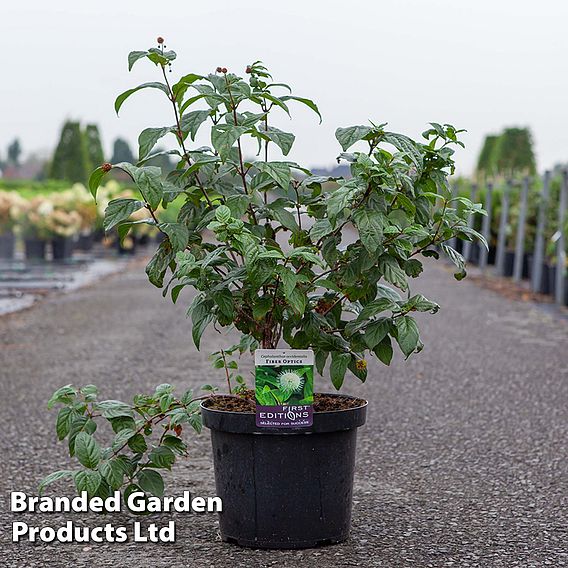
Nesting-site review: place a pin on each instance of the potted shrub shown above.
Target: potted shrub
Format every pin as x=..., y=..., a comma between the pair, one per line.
x=63, y=225
x=10, y=205
x=285, y=258
x=80, y=200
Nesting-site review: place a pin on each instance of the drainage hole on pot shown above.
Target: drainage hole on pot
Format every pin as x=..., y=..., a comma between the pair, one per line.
x=231, y=540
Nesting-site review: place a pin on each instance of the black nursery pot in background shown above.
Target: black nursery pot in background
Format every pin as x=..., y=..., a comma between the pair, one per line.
x=85, y=242
x=7, y=245
x=509, y=263
x=35, y=249
x=551, y=274
x=62, y=248
x=284, y=488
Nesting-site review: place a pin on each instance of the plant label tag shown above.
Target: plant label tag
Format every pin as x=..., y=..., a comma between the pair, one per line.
x=284, y=386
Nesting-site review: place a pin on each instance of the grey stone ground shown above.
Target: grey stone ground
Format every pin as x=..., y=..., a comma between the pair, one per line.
x=463, y=461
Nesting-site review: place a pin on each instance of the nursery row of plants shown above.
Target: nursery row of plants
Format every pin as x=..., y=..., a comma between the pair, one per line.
x=525, y=228
x=52, y=220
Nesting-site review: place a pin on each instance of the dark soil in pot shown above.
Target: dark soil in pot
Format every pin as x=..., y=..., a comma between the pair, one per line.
x=7, y=245
x=62, y=248
x=35, y=249
x=284, y=488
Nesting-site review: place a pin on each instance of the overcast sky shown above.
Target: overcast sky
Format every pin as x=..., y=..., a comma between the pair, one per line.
x=478, y=64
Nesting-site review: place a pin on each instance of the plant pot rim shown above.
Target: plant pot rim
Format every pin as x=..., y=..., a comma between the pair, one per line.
x=333, y=394
x=323, y=422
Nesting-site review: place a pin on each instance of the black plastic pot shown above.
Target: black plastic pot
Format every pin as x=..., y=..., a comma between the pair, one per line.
x=474, y=253
x=35, y=249
x=509, y=263
x=284, y=488
x=7, y=245
x=85, y=242
x=62, y=248
x=544, y=287
x=552, y=284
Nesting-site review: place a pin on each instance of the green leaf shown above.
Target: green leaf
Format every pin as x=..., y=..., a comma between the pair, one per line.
x=338, y=368
x=320, y=229
x=201, y=317
x=283, y=140
x=122, y=97
x=376, y=331
x=88, y=481
x=387, y=292
x=407, y=334
x=162, y=457
x=175, y=444
x=52, y=477
x=223, y=214
x=392, y=272
x=224, y=299
x=79, y=424
x=191, y=121
x=298, y=300
x=148, y=138
x=473, y=233
x=149, y=181
x=114, y=409
x=376, y=307
x=177, y=233
x=63, y=395
x=342, y=197
x=159, y=263
x=87, y=450
x=119, y=210
x=309, y=103
x=151, y=481
x=134, y=56
x=278, y=171
x=95, y=181
x=62, y=425
x=113, y=472
x=223, y=136
x=122, y=423
x=406, y=145
x=195, y=422
x=284, y=217
x=238, y=205
x=420, y=304
x=457, y=259
x=384, y=350
x=350, y=135
x=138, y=444
x=122, y=438
x=370, y=224
x=289, y=280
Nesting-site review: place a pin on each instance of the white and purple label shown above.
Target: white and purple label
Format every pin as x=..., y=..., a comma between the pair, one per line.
x=284, y=387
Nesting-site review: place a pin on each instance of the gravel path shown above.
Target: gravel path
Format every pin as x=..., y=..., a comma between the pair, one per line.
x=463, y=461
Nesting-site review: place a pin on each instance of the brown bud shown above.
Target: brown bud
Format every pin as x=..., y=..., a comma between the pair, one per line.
x=178, y=429
x=160, y=40
x=106, y=167
x=224, y=70
x=219, y=70
x=248, y=69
